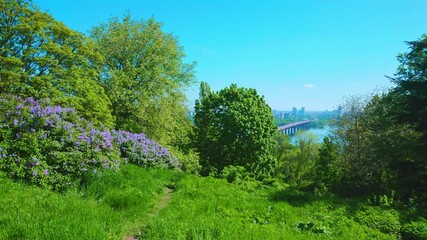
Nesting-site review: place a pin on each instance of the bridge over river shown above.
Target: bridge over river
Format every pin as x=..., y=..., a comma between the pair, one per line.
x=292, y=128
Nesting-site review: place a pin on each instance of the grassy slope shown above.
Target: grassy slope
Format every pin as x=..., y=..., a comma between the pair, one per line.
x=110, y=208
x=117, y=205
x=206, y=208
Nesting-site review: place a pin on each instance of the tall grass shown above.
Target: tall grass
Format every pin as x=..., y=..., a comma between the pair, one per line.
x=126, y=203
x=111, y=207
x=207, y=208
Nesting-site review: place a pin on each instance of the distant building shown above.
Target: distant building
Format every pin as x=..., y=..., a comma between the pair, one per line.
x=301, y=113
x=294, y=111
x=284, y=115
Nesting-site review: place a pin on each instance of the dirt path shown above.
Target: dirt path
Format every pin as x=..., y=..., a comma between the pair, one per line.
x=161, y=204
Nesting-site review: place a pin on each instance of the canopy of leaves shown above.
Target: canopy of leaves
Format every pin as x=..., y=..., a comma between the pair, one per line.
x=144, y=76
x=410, y=93
x=42, y=58
x=235, y=127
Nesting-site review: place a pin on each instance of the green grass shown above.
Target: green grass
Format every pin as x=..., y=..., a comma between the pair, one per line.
x=111, y=207
x=122, y=204
x=207, y=208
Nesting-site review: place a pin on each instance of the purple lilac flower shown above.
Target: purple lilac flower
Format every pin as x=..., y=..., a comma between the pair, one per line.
x=45, y=172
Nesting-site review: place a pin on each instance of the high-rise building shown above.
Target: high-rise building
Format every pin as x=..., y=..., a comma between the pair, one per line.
x=294, y=111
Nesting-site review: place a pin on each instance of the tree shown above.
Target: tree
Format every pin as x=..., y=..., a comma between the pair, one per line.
x=235, y=127
x=326, y=167
x=375, y=148
x=349, y=135
x=408, y=104
x=42, y=58
x=295, y=163
x=394, y=150
x=144, y=76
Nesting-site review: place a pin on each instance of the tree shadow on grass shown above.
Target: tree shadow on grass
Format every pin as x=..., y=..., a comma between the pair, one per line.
x=294, y=197
x=299, y=198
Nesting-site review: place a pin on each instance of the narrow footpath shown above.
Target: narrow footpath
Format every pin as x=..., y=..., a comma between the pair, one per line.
x=164, y=201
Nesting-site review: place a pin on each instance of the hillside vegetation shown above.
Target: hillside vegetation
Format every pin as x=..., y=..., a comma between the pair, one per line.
x=95, y=144
x=121, y=204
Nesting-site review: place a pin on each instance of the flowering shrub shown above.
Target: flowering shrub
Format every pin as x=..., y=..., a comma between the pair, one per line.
x=142, y=151
x=53, y=147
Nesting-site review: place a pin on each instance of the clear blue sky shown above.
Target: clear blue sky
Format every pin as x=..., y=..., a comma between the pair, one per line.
x=295, y=53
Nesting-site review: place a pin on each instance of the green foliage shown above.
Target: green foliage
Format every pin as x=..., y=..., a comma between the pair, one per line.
x=386, y=221
x=144, y=76
x=326, y=169
x=408, y=106
x=42, y=58
x=53, y=147
x=49, y=145
x=189, y=160
x=235, y=127
x=416, y=230
x=296, y=163
x=235, y=173
x=378, y=153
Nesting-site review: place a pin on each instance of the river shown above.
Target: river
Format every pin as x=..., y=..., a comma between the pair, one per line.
x=319, y=132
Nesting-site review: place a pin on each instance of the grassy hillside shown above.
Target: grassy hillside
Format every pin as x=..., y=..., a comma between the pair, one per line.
x=133, y=202
x=109, y=208
x=207, y=208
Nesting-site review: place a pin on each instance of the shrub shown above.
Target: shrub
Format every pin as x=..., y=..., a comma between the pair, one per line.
x=139, y=150
x=53, y=147
x=50, y=146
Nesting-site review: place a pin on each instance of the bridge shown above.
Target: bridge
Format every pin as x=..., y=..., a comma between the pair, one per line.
x=292, y=128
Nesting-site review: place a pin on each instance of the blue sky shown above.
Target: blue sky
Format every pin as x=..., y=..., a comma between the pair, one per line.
x=295, y=53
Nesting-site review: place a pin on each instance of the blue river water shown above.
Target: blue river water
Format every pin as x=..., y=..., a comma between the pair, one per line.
x=319, y=134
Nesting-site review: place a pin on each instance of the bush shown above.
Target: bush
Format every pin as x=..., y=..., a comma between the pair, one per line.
x=139, y=150
x=50, y=145
x=53, y=147
x=415, y=230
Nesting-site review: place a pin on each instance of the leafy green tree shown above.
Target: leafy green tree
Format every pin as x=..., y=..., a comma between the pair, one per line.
x=410, y=92
x=375, y=149
x=296, y=163
x=144, y=76
x=350, y=135
x=326, y=168
x=393, y=149
x=408, y=102
x=235, y=127
x=42, y=58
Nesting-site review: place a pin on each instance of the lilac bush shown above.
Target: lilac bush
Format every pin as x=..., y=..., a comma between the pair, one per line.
x=53, y=147
x=142, y=151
